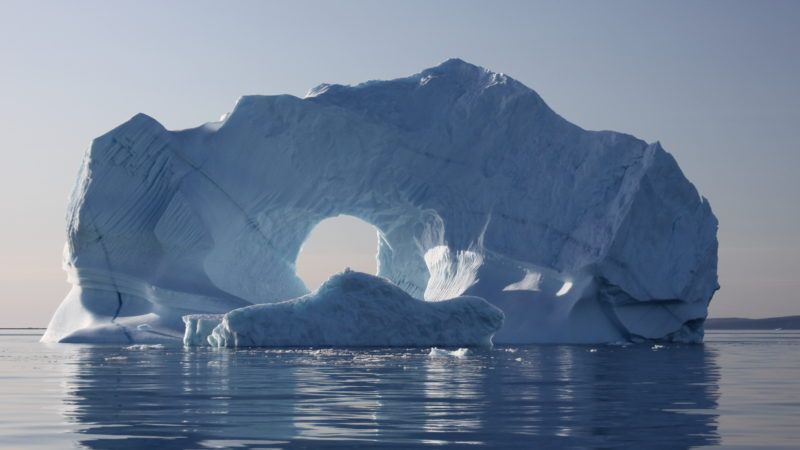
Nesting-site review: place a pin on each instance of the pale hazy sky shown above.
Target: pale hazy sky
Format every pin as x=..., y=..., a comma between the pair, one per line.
x=718, y=83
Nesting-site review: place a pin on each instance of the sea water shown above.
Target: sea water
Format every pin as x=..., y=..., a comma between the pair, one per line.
x=741, y=389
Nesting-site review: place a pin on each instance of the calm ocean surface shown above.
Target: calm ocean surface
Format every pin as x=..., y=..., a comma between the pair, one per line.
x=741, y=389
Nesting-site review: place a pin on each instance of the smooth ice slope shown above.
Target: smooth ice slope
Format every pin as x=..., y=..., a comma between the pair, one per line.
x=476, y=185
x=355, y=309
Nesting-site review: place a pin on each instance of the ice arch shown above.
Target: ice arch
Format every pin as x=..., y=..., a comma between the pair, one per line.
x=334, y=244
x=477, y=186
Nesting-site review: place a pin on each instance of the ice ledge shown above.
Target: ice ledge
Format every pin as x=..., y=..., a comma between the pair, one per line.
x=351, y=309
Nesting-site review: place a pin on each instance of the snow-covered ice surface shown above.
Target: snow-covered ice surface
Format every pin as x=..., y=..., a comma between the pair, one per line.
x=356, y=310
x=476, y=186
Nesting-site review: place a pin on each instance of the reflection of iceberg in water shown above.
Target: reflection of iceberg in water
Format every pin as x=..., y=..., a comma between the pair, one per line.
x=176, y=399
x=630, y=397
x=327, y=395
x=539, y=396
x=452, y=384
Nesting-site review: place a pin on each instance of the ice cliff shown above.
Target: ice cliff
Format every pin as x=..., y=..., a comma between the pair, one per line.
x=351, y=309
x=476, y=186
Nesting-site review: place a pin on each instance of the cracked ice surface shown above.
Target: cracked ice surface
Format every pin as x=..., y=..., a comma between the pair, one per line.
x=476, y=186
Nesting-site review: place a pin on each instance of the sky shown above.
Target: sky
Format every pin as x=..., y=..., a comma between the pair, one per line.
x=716, y=82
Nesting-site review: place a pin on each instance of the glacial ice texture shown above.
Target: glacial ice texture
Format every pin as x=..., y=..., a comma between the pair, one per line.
x=351, y=309
x=476, y=186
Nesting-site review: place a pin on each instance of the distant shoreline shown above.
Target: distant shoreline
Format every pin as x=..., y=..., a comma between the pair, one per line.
x=712, y=323
x=738, y=323
x=23, y=328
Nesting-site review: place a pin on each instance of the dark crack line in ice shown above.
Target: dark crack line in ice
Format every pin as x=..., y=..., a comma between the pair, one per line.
x=251, y=222
x=113, y=282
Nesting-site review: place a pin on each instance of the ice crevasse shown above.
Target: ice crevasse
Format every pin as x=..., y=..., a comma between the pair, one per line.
x=476, y=186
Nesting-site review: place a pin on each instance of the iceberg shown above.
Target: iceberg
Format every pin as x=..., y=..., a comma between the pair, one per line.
x=476, y=186
x=351, y=309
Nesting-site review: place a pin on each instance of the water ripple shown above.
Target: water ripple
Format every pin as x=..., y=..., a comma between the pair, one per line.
x=528, y=396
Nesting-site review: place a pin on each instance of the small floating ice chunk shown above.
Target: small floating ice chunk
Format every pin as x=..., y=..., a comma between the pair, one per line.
x=144, y=347
x=442, y=353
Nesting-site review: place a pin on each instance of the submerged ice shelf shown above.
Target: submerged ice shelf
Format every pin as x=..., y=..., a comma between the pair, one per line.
x=351, y=309
x=476, y=186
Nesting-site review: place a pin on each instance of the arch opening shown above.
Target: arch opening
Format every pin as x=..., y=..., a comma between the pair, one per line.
x=334, y=244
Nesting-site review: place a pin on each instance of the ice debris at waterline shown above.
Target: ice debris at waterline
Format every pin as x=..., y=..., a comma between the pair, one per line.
x=442, y=353
x=351, y=309
x=476, y=187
